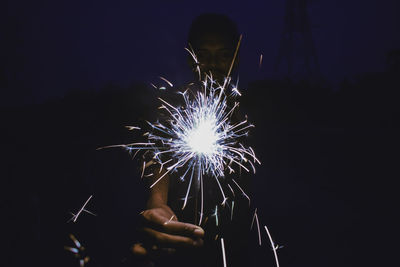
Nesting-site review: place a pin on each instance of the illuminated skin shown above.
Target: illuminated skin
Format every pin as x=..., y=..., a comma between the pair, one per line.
x=161, y=225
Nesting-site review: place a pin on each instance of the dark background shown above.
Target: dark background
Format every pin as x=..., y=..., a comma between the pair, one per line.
x=73, y=73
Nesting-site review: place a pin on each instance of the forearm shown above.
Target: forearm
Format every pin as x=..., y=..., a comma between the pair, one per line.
x=158, y=194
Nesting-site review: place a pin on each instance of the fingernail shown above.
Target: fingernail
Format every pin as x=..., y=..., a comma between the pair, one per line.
x=198, y=232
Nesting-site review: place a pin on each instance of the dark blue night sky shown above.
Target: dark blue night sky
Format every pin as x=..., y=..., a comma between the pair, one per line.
x=50, y=48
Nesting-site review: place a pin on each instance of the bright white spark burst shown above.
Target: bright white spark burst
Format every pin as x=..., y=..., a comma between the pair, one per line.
x=201, y=134
x=199, y=137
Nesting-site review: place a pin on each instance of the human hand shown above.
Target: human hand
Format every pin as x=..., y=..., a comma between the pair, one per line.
x=164, y=233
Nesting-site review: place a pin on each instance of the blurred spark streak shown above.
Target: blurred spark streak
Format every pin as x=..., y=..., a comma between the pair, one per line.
x=77, y=243
x=188, y=189
x=258, y=229
x=223, y=251
x=272, y=245
x=235, y=89
x=255, y=218
x=233, y=204
x=252, y=221
x=202, y=198
x=233, y=193
x=131, y=128
x=128, y=146
x=165, y=80
x=73, y=250
x=79, y=248
x=91, y=213
x=143, y=168
x=197, y=64
x=260, y=62
x=241, y=190
x=75, y=216
x=222, y=191
x=233, y=61
x=216, y=215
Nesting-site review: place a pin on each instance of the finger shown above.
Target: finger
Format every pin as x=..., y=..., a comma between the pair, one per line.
x=174, y=241
x=153, y=217
x=139, y=250
x=183, y=229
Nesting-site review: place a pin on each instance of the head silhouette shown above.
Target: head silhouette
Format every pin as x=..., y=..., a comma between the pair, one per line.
x=214, y=38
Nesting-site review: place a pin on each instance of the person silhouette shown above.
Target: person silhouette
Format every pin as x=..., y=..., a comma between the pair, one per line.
x=213, y=38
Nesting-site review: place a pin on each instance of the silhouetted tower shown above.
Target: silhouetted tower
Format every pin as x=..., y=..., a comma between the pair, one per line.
x=297, y=46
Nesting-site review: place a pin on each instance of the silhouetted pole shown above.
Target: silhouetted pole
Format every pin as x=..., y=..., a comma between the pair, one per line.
x=296, y=43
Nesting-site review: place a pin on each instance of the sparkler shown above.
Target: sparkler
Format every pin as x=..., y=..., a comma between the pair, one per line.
x=199, y=138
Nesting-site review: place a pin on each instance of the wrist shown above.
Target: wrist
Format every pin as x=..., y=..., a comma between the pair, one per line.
x=156, y=201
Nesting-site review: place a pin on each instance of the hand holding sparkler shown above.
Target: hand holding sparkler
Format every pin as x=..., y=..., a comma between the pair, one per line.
x=161, y=226
x=166, y=233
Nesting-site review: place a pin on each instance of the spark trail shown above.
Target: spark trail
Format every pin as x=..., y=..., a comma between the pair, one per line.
x=223, y=252
x=78, y=251
x=82, y=209
x=274, y=248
